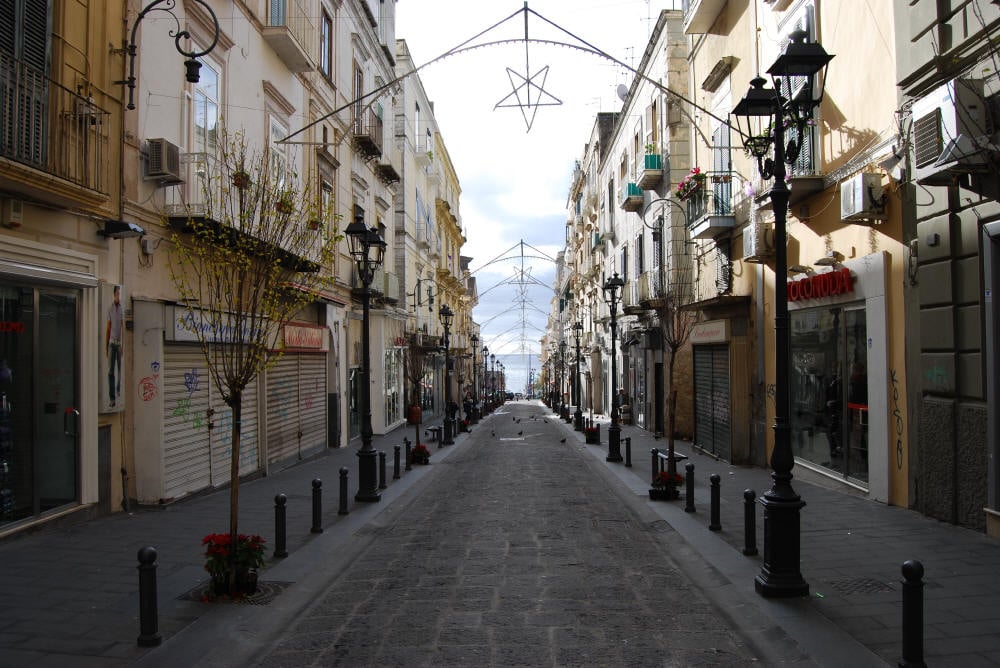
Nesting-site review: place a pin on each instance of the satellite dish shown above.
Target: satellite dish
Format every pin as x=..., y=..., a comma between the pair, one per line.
x=622, y=92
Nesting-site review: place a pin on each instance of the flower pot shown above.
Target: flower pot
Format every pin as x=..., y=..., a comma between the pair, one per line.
x=246, y=582
x=220, y=584
x=241, y=180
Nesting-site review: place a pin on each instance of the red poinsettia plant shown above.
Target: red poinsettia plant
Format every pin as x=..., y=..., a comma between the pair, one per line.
x=420, y=450
x=690, y=184
x=221, y=558
x=665, y=478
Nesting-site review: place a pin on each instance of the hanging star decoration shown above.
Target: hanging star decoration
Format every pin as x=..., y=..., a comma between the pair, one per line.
x=524, y=86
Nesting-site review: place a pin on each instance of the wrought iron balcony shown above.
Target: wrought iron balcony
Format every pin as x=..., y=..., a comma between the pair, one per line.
x=630, y=196
x=200, y=193
x=710, y=207
x=652, y=171
x=366, y=133
x=288, y=31
x=46, y=127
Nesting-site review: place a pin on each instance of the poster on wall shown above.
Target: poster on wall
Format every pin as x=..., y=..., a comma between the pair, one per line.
x=112, y=366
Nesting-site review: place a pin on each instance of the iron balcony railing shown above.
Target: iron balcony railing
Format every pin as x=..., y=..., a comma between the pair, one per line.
x=51, y=128
x=367, y=132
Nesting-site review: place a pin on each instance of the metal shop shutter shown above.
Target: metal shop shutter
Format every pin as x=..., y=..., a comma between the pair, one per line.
x=186, y=446
x=711, y=400
x=296, y=407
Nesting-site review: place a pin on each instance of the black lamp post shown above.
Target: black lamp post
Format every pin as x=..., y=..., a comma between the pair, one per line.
x=474, y=418
x=368, y=251
x=578, y=415
x=612, y=291
x=486, y=359
x=493, y=379
x=564, y=412
x=503, y=383
x=447, y=315
x=791, y=101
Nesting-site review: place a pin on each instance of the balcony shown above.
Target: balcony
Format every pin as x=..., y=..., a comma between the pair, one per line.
x=699, y=15
x=630, y=299
x=366, y=133
x=390, y=290
x=199, y=194
x=386, y=173
x=710, y=208
x=287, y=32
x=53, y=130
x=630, y=197
x=652, y=171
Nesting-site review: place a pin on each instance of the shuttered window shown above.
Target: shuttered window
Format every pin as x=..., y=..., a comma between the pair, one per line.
x=24, y=66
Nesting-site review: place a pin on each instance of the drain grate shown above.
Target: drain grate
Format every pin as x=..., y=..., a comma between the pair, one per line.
x=861, y=586
x=612, y=523
x=266, y=592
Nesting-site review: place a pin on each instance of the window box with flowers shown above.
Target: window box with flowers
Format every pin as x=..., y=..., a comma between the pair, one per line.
x=690, y=184
x=233, y=572
x=666, y=486
x=420, y=454
x=592, y=435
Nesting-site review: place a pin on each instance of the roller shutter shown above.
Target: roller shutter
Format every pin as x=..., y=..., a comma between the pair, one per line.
x=296, y=407
x=711, y=400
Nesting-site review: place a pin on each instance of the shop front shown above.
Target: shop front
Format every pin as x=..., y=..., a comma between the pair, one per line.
x=49, y=337
x=838, y=373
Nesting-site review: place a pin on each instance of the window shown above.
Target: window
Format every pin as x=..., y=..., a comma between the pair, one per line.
x=639, y=256
x=278, y=152
x=357, y=90
x=416, y=124
x=205, y=110
x=326, y=45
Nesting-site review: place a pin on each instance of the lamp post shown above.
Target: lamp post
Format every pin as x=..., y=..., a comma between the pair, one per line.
x=447, y=315
x=474, y=340
x=578, y=415
x=493, y=380
x=563, y=407
x=486, y=359
x=780, y=575
x=612, y=291
x=368, y=251
x=503, y=383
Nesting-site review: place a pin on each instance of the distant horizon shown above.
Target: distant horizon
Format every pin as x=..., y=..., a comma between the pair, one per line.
x=516, y=367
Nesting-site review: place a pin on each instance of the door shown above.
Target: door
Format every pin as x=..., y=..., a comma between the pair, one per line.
x=711, y=400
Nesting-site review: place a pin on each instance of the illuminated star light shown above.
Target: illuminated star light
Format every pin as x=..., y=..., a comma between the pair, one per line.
x=527, y=84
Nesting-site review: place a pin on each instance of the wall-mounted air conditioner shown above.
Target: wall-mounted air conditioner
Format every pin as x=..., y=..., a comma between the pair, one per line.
x=951, y=132
x=757, y=242
x=163, y=162
x=861, y=198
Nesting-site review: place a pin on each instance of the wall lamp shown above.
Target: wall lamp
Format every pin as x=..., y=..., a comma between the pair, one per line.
x=119, y=229
x=191, y=65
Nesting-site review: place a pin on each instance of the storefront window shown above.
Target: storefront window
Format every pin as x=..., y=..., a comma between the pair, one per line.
x=829, y=389
x=393, y=385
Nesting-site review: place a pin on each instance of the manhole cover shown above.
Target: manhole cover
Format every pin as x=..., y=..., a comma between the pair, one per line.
x=266, y=592
x=861, y=586
x=611, y=523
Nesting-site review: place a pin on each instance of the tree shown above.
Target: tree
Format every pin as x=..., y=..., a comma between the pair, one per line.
x=415, y=365
x=676, y=323
x=246, y=266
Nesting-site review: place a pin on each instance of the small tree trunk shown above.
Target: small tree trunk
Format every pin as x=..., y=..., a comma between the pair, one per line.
x=236, y=404
x=671, y=414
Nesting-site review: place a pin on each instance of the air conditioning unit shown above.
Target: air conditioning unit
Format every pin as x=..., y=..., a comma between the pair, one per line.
x=757, y=246
x=163, y=162
x=861, y=198
x=951, y=132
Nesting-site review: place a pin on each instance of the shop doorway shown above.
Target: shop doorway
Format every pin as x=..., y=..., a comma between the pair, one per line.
x=39, y=409
x=829, y=383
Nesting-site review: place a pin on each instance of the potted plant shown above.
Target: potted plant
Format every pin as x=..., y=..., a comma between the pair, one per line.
x=420, y=454
x=233, y=569
x=463, y=425
x=315, y=225
x=241, y=179
x=592, y=434
x=285, y=203
x=691, y=184
x=665, y=486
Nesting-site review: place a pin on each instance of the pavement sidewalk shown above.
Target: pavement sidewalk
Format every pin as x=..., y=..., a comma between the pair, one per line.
x=70, y=593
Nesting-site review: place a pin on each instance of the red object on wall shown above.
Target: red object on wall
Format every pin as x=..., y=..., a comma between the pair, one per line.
x=413, y=415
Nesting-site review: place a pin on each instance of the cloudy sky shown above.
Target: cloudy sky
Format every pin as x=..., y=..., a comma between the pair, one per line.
x=515, y=182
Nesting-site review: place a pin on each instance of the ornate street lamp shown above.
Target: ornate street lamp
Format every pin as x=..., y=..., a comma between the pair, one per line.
x=447, y=315
x=493, y=379
x=790, y=102
x=486, y=359
x=368, y=251
x=191, y=66
x=578, y=415
x=502, y=389
x=474, y=418
x=612, y=291
x=563, y=408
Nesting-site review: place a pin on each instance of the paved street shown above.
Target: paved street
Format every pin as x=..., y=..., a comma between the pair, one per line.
x=507, y=549
x=517, y=553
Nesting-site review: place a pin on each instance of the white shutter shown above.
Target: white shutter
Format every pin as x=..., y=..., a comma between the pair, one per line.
x=282, y=414
x=186, y=461
x=312, y=401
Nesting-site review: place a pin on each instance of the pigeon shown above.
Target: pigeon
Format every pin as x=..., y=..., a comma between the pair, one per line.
x=519, y=433
x=513, y=418
x=563, y=440
x=546, y=422
x=519, y=421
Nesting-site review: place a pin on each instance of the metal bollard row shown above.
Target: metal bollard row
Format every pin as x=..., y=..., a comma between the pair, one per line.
x=715, y=524
x=149, y=635
x=280, y=526
x=317, y=506
x=913, y=615
x=689, y=487
x=628, y=451
x=749, y=522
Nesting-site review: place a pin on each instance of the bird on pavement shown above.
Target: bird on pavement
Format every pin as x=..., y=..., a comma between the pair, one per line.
x=562, y=440
x=519, y=420
x=546, y=422
x=519, y=433
x=513, y=418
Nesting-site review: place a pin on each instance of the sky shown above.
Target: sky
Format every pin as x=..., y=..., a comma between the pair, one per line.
x=515, y=182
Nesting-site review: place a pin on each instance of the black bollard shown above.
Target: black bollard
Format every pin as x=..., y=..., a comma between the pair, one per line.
x=715, y=524
x=749, y=522
x=654, y=465
x=689, y=487
x=628, y=451
x=409, y=455
x=343, y=491
x=317, y=526
x=149, y=636
x=395, y=462
x=913, y=615
x=280, y=526
x=381, y=470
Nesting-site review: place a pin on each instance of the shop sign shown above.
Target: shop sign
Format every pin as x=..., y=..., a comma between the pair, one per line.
x=819, y=286
x=713, y=331
x=196, y=325
x=304, y=336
